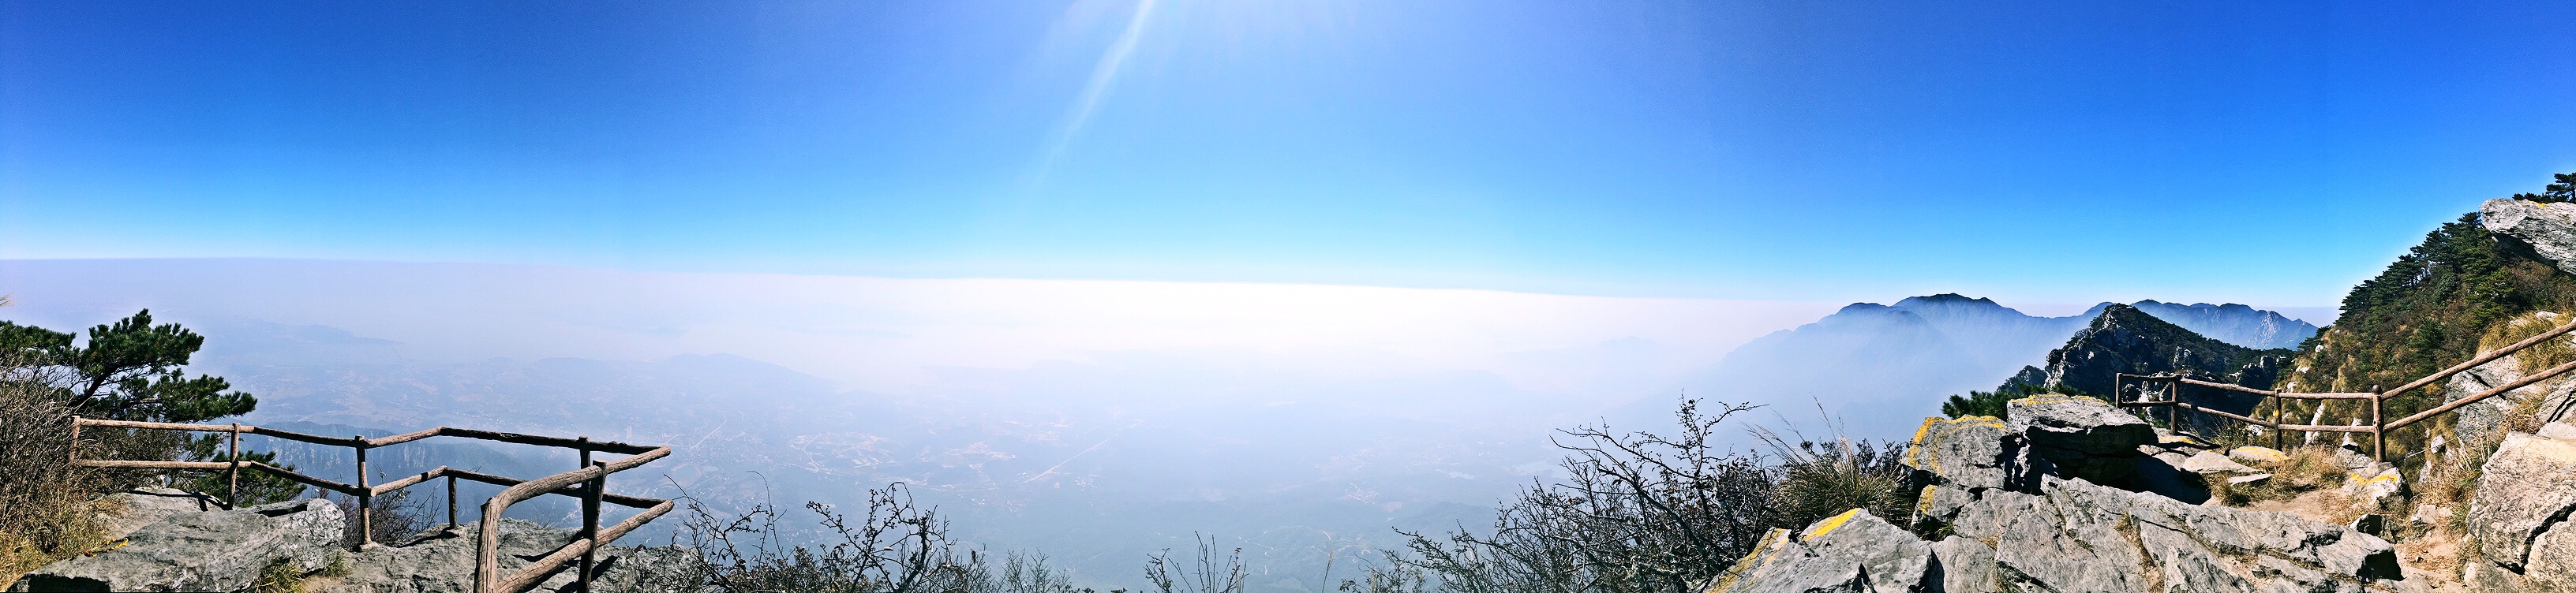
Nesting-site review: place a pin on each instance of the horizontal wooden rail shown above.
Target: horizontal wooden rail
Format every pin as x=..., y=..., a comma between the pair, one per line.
x=2480, y=359
x=2543, y=375
x=528, y=576
x=2266, y=393
x=487, y=558
x=2379, y=423
x=199, y=465
x=2357, y=428
x=588, y=484
x=444, y=471
x=445, y=431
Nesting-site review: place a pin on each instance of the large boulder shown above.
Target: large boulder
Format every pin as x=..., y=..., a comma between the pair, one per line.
x=443, y=562
x=1970, y=453
x=204, y=551
x=1854, y=551
x=2548, y=230
x=2081, y=436
x=2519, y=517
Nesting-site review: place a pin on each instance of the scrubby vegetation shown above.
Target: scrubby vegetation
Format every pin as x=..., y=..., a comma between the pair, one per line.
x=48, y=509
x=1991, y=403
x=894, y=546
x=2461, y=290
x=1645, y=512
x=129, y=370
x=2307, y=469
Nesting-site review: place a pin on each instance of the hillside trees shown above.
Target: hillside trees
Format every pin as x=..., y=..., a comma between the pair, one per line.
x=2562, y=191
x=133, y=369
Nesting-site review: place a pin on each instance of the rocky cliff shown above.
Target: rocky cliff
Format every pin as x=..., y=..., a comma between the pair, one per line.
x=2233, y=323
x=2124, y=339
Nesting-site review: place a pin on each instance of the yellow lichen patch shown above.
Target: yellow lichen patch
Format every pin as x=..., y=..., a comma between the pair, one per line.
x=1748, y=564
x=1916, y=456
x=1827, y=526
x=2365, y=481
x=2266, y=454
x=2058, y=398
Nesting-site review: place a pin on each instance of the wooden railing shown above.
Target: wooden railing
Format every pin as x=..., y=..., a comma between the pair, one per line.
x=590, y=484
x=2379, y=423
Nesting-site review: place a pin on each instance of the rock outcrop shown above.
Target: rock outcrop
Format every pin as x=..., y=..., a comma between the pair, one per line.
x=2484, y=420
x=2520, y=517
x=187, y=549
x=443, y=562
x=2547, y=230
x=204, y=551
x=2233, y=323
x=2006, y=511
x=2081, y=436
x=2125, y=340
x=1854, y=551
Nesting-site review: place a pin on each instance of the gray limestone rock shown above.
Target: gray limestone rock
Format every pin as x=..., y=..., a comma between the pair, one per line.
x=2212, y=463
x=2083, y=537
x=204, y=551
x=1973, y=452
x=1851, y=552
x=2519, y=517
x=2082, y=436
x=1966, y=566
x=2548, y=229
x=146, y=506
x=443, y=562
x=2485, y=419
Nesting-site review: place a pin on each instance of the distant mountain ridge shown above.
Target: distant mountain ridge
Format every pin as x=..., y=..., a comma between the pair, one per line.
x=2231, y=323
x=2125, y=339
x=1876, y=366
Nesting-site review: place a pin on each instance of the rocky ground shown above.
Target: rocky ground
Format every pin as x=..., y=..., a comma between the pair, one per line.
x=2072, y=495
x=174, y=541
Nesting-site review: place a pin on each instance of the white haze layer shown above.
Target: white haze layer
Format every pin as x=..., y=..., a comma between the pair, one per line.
x=896, y=335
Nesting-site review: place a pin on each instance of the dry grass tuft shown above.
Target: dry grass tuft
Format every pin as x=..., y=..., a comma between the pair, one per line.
x=2539, y=356
x=48, y=509
x=2308, y=469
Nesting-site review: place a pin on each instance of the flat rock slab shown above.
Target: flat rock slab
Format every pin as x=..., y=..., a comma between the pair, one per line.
x=2212, y=463
x=204, y=551
x=2082, y=436
x=2257, y=455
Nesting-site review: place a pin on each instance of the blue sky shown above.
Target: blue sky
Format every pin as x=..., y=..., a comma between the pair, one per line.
x=2051, y=151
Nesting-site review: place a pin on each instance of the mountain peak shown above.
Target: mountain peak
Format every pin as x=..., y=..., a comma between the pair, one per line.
x=1945, y=298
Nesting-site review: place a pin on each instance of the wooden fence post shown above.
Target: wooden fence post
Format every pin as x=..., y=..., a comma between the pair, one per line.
x=590, y=497
x=2378, y=432
x=451, y=504
x=366, y=522
x=2277, y=434
x=75, y=448
x=232, y=475
x=2173, y=413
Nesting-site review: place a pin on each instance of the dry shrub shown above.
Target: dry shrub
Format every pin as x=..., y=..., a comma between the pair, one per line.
x=48, y=508
x=2539, y=356
x=2308, y=469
